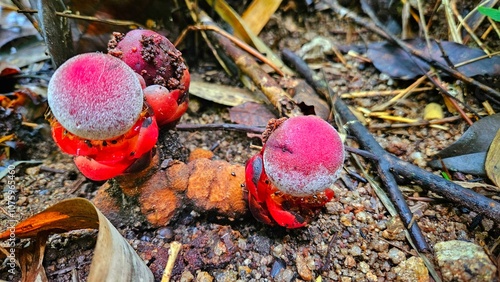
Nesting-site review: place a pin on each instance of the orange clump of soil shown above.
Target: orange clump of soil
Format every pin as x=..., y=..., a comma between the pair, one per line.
x=203, y=185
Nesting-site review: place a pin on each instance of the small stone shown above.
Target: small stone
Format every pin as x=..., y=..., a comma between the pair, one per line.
x=35, y=170
x=464, y=261
x=285, y=275
x=226, y=276
x=345, y=219
x=371, y=277
x=186, y=276
x=361, y=216
x=395, y=230
x=355, y=251
x=302, y=267
x=396, y=255
x=345, y=279
x=364, y=267
x=412, y=269
x=349, y=262
x=380, y=245
x=277, y=250
x=204, y=276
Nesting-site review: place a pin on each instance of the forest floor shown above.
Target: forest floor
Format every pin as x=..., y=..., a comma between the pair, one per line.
x=354, y=238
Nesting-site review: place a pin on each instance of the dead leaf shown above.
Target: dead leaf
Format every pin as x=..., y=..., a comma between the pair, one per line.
x=114, y=259
x=492, y=165
x=258, y=14
x=308, y=100
x=392, y=60
x=251, y=114
x=240, y=26
x=222, y=94
x=468, y=154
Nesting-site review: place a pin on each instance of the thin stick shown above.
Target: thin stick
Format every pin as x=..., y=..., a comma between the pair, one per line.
x=95, y=19
x=221, y=126
x=376, y=93
x=173, y=252
x=29, y=16
x=235, y=41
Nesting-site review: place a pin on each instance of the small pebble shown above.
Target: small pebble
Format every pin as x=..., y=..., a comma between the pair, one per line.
x=277, y=250
x=361, y=216
x=186, y=276
x=165, y=233
x=302, y=267
x=285, y=276
x=396, y=255
x=364, y=267
x=412, y=269
x=204, y=276
x=278, y=265
x=380, y=245
x=464, y=261
x=349, y=262
x=226, y=276
x=355, y=251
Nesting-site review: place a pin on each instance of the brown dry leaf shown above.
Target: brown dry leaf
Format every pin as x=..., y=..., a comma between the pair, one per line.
x=31, y=260
x=114, y=259
x=251, y=114
x=222, y=94
x=492, y=164
x=308, y=100
x=395, y=62
x=239, y=25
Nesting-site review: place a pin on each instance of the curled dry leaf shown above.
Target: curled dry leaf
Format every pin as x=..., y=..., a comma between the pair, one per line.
x=114, y=259
x=252, y=114
x=492, y=165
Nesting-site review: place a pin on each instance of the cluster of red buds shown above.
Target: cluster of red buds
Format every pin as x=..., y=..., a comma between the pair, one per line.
x=106, y=109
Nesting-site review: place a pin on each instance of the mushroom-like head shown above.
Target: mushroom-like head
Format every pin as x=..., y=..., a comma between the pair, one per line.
x=151, y=55
x=95, y=96
x=303, y=156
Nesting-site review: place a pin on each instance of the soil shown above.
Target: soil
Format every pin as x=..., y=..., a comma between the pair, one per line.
x=354, y=238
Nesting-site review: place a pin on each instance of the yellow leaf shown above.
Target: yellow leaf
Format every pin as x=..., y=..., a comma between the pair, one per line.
x=492, y=164
x=258, y=14
x=433, y=111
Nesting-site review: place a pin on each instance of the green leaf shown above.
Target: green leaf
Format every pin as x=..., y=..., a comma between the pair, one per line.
x=494, y=14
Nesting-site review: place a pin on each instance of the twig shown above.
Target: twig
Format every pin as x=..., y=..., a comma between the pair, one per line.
x=368, y=142
x=418, y=123
x=66, y=14
x=222, y=126
x=378, y=93
x=334, y=5
x=233, y=39
x=175, y=247
x=29, y=16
